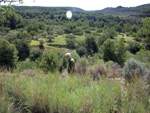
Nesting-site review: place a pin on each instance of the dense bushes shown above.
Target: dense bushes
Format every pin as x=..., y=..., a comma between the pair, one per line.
x=8, y=54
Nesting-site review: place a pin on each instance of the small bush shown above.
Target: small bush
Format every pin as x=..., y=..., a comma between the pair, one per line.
x=98, y=70
x=82, y=51
x=133, y=68
x=49, y=62
x=25, y=65
x=81, y=66
x=35, y=53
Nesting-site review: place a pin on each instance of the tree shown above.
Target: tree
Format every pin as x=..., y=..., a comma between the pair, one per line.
x=146, y=25
x=50, y=38
x=41, y=44
x=91, y=45
x=8, y=54
x=114, y=52
x=23, y=48
x=109, y=50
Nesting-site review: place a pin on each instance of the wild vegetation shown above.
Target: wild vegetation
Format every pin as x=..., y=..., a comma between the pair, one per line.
x=112, y=56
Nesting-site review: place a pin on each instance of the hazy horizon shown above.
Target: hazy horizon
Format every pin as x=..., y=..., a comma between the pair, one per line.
x=84, y=4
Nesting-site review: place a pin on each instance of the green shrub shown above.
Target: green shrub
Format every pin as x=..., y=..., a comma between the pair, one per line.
x=91, y=45
x=82, y=51
x=134, y=47
x=23, y=48
x=101, y=39
x=49, y=62
x=62, y=61
x=143, y=56
x=8, y=54
x=133, y=68
x=70, y=43
x=25, y=65
x=35, y=53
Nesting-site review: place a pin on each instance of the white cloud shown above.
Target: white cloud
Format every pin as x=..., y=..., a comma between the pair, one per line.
x=86, y=4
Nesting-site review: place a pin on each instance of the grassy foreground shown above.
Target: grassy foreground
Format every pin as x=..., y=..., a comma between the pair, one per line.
x=50, y=93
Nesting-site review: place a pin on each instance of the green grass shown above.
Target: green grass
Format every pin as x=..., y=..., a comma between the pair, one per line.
x=61, y=40
x=34, y=43
x=127, y=38
x=50, y=93
x=57, y=45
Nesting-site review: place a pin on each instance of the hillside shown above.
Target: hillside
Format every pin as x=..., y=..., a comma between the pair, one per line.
x=47, y=9
x=125, y=11
x=139, y=11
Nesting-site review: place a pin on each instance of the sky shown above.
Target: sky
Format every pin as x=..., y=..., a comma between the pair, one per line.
x=86, y=4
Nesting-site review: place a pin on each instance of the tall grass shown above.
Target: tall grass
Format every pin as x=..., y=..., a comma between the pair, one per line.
x=75, y=94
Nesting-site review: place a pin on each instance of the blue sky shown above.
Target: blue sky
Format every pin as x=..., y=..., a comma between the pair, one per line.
x=86, y=4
